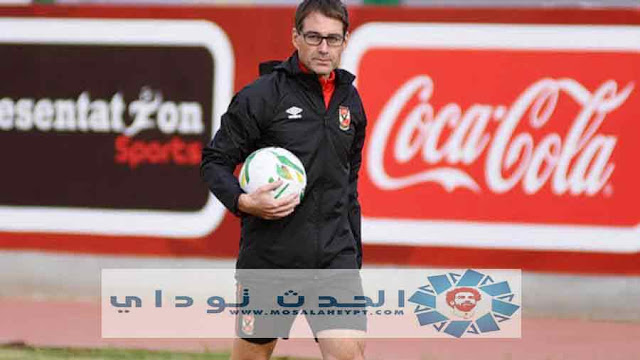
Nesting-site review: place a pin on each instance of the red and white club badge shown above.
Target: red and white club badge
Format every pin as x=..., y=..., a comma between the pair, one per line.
x=248, y=324
x=344, y=117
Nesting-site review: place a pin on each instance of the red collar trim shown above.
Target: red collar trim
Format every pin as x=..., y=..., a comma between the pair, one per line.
x=324, y=82
x=330, y=80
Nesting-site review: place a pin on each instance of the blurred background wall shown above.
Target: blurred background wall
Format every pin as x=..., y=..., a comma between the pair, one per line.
x=105, y=106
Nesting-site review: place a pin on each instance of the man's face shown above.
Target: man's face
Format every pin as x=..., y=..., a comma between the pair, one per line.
x=322, y=59
x=464, y=301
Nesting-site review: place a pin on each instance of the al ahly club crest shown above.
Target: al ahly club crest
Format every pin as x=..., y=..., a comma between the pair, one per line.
x=344, y=117
x=248, y=324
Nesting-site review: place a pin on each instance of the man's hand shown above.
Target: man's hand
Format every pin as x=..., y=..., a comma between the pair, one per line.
x=261, y=203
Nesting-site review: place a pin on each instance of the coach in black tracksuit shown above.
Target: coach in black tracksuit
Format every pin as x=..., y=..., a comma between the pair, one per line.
x=324, y=229
x=310, y=107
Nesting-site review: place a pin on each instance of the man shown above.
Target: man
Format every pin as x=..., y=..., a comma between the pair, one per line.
x=463, y=301
x=311, y=108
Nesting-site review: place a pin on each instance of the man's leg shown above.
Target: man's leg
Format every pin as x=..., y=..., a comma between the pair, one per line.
x=245, y=350
x=341, y=337
x=257, y=335
x=341, y=344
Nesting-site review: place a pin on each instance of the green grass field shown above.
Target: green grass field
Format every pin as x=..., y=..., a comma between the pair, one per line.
x=23, y=352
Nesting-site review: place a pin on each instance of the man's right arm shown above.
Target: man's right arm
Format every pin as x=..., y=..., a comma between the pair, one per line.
x=233, y=142
x=237, y=138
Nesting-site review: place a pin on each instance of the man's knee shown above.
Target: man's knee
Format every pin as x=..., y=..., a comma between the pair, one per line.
x=344, y=356
x=335, y=345
x=245, y=350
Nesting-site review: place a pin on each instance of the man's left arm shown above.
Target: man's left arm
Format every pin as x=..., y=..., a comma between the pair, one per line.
x=355, y=215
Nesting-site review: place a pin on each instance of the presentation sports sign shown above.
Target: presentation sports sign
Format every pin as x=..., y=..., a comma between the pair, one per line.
x=107, y=121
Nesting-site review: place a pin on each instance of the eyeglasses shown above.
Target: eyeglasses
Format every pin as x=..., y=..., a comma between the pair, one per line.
x=315, y=39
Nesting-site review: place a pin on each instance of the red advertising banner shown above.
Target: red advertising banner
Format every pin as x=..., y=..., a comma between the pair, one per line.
x=513, y=136
x=496, y=138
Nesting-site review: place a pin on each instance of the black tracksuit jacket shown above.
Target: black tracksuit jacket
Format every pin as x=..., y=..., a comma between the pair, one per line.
x=324, y=229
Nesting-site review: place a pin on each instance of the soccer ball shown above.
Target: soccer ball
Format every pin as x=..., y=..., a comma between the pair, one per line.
x=271, y=164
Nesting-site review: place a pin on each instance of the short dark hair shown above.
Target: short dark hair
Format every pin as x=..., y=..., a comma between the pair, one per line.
x=334, y=9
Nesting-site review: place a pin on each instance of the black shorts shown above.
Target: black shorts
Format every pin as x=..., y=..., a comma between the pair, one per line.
x=265, y=320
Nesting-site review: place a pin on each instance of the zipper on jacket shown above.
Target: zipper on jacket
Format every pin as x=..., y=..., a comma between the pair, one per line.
x=314, y=91
x=322, y=185
x=321, y=189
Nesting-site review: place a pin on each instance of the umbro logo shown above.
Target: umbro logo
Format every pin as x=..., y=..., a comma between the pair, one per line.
x=294, y=112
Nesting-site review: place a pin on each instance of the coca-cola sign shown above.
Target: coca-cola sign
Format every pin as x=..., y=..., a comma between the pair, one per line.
x=105, y=121
x=504, y=136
